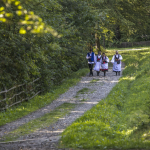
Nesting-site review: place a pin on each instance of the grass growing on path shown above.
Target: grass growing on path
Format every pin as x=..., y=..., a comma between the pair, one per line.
x=41, y=101
x=121, y=121
x=83, y=91
x=94, y=80
x=39, y=123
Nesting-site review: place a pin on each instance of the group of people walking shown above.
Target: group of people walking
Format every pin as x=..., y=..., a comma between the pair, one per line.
x=101, y=62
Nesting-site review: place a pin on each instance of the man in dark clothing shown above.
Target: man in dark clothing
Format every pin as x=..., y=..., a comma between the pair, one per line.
x=90, y=57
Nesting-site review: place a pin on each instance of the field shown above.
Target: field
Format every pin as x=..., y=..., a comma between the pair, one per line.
x=122, y=120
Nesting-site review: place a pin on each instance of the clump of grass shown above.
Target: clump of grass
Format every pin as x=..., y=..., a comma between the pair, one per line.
x=77, y=96
x=94, y=80
x=121, y=121
x=83, y=91
x=38, y=102
x=92, y=91
x=40, y=123
x=83, y=100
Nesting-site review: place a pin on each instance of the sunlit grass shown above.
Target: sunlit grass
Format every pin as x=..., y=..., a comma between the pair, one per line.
x=94, y=80
x=131, y=48
x=42, y=100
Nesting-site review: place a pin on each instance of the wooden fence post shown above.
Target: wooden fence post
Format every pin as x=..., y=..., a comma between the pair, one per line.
x=5, y=97
x=20, y=94
x=26, y=93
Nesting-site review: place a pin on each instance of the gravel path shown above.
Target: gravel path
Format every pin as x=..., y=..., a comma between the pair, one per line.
x=137, y=49
x=49, y=137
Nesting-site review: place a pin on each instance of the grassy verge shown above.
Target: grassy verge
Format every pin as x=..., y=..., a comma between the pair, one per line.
x=122, y=120
x=40, y=101
x=131, y=48
x=39, y=123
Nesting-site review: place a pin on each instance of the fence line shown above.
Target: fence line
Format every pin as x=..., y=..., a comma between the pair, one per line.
x=18, y=94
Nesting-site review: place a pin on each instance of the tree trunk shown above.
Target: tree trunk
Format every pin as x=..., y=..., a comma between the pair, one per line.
x=104, y=41
x=118, y=34
x=97, y=42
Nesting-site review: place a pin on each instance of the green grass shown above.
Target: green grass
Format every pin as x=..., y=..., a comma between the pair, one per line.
x=132, y=48
x=39, y=123
x=92, y=91
x=83, y=100
x=122, y=120
x=94, y=80
x=83, y=91
x=42, y=100
x=77, y=96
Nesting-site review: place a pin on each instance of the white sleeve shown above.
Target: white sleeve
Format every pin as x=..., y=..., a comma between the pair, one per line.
x=87, y=57
x=120, y=58
x=112, y=60
x=95, y=59
x=101, y=60
x=107, y=59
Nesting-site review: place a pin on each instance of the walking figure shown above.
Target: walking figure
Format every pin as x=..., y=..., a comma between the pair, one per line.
x=97, y=63
x=116, y=60
x=90, y=56
x=104, y=63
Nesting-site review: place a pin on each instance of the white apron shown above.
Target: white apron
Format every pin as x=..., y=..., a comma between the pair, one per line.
x=97, y=63
x=116, y=67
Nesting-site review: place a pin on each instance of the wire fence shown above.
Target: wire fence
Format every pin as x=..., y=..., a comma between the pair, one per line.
x=19, y=94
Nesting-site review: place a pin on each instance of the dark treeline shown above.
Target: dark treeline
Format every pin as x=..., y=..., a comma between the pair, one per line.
x=49, y=39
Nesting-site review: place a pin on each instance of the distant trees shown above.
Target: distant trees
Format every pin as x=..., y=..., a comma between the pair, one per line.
x=49, y=39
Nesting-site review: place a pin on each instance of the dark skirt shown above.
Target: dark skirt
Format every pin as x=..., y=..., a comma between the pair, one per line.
x=103, y=70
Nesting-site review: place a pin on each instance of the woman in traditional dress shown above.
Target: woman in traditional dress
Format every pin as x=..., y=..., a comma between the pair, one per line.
x=104, y=63
x=90, y=57
x=116, y=60
x=97, y=63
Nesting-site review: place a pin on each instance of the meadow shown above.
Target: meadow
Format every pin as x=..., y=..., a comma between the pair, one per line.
x=122, y=119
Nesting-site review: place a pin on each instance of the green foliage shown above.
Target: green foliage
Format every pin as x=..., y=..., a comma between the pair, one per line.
x=103, y=50
x=121, y=121
x=50, y=55
x=31, y=22
x=128, y=20
x=40, y=101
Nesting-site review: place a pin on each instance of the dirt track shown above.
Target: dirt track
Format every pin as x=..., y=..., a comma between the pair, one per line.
x=48, y=138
